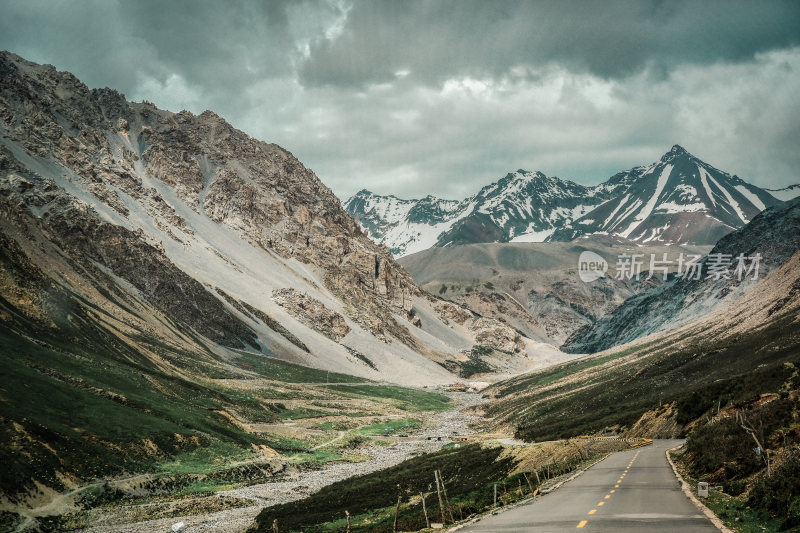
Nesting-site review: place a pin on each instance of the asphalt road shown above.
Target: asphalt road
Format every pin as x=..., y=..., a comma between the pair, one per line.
x=634, y=490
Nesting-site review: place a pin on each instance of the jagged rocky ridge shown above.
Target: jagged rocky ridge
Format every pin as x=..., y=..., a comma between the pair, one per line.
x=676, y=200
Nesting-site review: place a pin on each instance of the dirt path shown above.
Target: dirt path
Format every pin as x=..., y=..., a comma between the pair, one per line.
x=339, y=437
x=301, y=484
x=63, y=502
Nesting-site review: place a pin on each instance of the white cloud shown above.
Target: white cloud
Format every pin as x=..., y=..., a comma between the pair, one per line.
x=172, y=93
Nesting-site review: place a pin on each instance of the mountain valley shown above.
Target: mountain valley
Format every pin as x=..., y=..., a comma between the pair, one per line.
x=194, y=328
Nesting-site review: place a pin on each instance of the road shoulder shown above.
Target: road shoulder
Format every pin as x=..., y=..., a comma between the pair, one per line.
x=687, y=490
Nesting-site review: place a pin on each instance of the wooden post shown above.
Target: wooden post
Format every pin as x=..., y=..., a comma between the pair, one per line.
x=495, y=496
x=519, y=490
x=396, y=512
x=538, y=481
x=425, y=511
x=528, y=481
x=347, y=514
x=275, y=526
x=439, y=494
x=446, y=499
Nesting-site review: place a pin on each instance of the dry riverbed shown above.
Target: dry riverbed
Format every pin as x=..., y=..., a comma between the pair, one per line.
x=234, y=510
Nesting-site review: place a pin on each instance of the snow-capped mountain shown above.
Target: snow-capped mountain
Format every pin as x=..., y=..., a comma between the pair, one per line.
x=405, y=226
x=522, y=206
x=676, y=200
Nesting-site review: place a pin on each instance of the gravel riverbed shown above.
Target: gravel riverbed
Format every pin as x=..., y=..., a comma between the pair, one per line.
x=300, y=484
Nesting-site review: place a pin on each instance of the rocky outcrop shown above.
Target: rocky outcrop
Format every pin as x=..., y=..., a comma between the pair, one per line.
x=452, y=312
x=491, y=332
x=312, y=313
x=486, y=331
x=257, y=314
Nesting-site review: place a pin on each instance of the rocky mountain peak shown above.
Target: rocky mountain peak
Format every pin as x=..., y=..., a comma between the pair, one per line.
x=676, y=151
x=679, y=199
x=521, y=175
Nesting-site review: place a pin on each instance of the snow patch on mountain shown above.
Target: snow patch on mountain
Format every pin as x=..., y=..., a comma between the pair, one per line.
x=750, y=196
x=731, y=202
x=651, y=203
x=704, y=181
x=533, y=236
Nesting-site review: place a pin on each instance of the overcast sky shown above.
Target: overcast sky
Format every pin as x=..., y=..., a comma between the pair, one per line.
x=417, y=98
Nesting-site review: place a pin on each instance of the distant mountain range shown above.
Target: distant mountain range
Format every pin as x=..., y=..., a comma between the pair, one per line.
x=522, y=206
x=774, y=234
x=676, y=200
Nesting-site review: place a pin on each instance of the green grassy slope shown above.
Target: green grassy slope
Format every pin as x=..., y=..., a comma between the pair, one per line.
x=86, y=404
x=587, y=395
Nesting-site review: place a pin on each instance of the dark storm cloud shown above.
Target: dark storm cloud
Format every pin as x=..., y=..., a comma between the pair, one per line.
x=213, y=45
x=443, y=97
x=436, y=40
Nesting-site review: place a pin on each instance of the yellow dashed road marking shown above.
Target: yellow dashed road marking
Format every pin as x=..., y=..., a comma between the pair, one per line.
x=593, y=511
x=607, y=496
x=612, y=491
x=600, y=504
x=581, y=523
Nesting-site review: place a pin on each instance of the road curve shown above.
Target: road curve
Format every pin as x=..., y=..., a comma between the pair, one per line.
x=634, y=490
